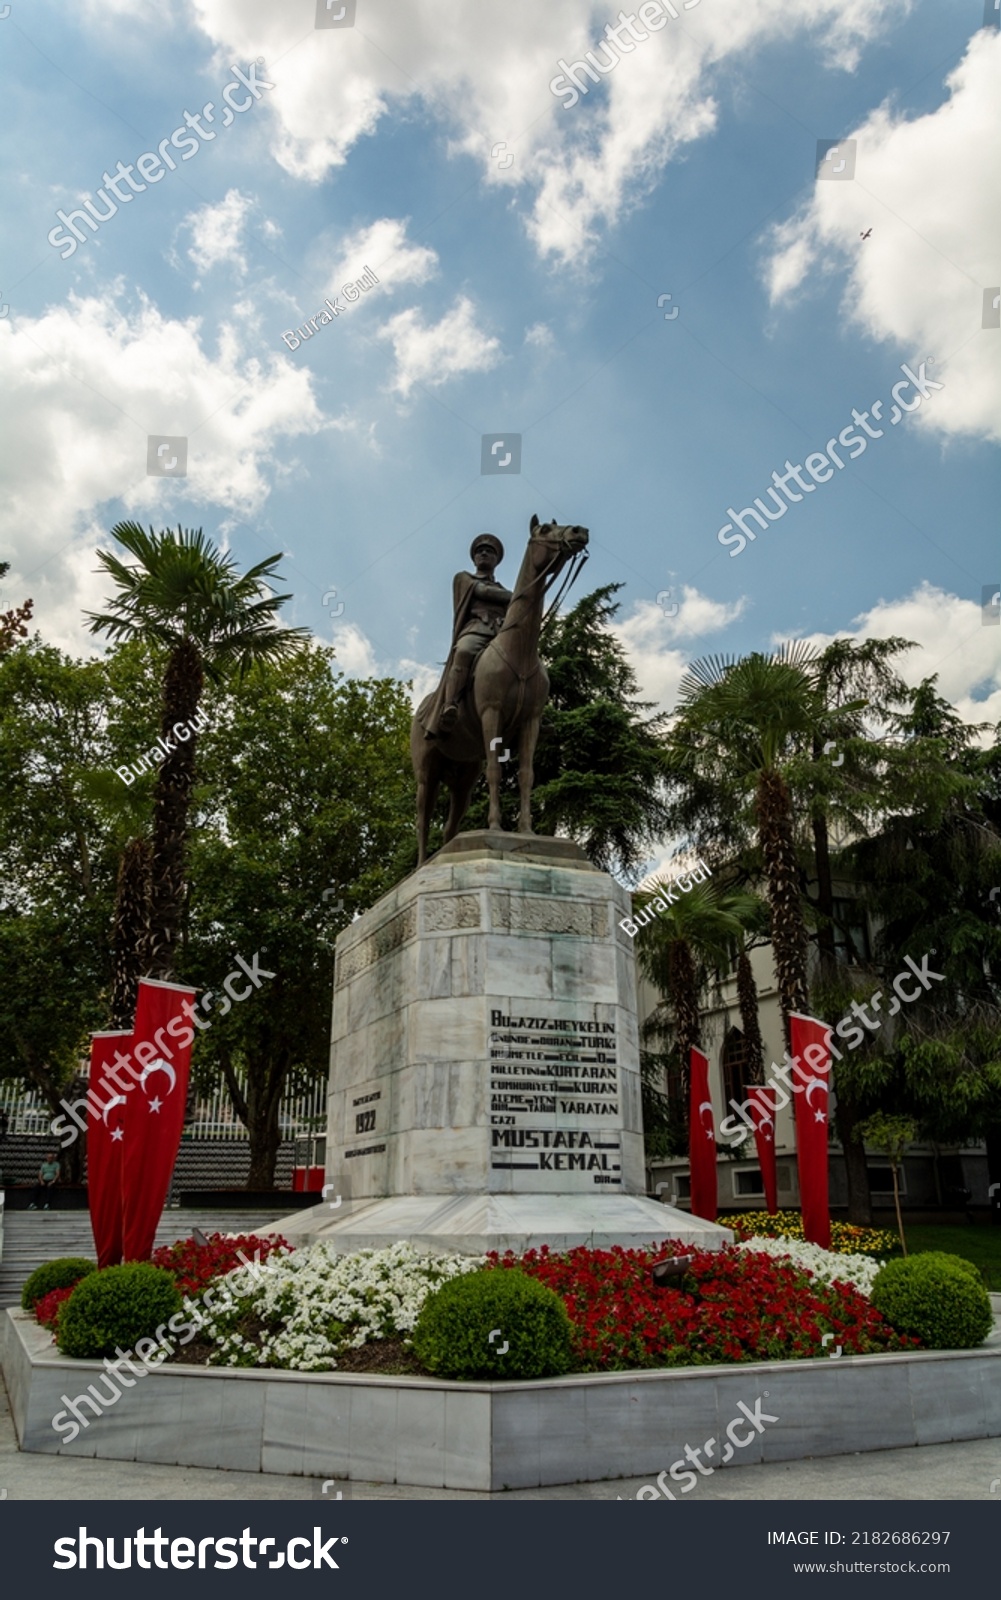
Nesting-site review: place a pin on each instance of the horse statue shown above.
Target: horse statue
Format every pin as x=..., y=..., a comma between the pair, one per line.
x=496, y=698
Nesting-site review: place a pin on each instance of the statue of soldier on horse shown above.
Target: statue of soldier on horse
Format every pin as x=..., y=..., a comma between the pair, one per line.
x=494, y=686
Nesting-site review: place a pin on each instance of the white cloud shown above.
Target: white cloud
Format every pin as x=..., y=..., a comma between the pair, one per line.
x=952, y=641
x=383, y=246
x=357, y=657
x=85, y=384
x=929, y=195
x=652, y=639
x=431, y=353
x=540, y=336
x=217, y=232
x=354, y=651
x=485, y=71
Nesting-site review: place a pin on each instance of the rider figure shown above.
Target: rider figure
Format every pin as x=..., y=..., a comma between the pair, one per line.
x=479, y=607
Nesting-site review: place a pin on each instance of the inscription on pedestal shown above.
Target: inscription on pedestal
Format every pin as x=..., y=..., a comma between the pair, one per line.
x=365, y=1118
x=553, y=1081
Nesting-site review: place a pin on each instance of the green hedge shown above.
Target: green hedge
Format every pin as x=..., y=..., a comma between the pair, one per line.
x=115, y=1308
x=61, y=1274
x=452, y=1336
x=937, y=1297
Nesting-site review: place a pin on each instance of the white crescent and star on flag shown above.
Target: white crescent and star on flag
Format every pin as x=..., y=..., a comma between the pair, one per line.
x=820, y=1114
x=158, y=1066
x=117, y=1133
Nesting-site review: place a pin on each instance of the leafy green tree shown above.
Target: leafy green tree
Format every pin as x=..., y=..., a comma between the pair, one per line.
x=13, y=623
x=56, y=867
x=304, y=816
x=182, y=593
x=301, y=814
x=929, y=875
x=891, y=1135
x=860, y=691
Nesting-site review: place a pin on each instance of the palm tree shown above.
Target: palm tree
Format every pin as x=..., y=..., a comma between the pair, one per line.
x=184, y=595
x=847, y=669
x=678, y=949
x=741, y=720
x=747, y=993
x=126, y=810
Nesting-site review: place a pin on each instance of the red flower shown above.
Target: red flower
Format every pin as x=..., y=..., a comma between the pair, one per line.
x=731, y=1305
x=194, y=1266
x=47, y=1309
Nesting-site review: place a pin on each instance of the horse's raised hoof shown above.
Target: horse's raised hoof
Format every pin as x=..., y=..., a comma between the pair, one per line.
x=448, y=719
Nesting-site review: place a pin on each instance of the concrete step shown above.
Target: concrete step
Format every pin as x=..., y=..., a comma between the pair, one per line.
x=33, y=1237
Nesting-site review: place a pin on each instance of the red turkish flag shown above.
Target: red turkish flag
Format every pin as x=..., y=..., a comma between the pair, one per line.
x=105, y=1137
x=811, y=1048
x=762, y=1099
x=154, y=1113
x=701, y=1139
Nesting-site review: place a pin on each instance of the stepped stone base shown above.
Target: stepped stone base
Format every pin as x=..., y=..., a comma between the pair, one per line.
x=474, y=1224
x=484, y=1088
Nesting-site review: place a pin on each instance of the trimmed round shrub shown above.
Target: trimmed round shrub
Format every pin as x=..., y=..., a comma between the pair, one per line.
x=529, y=1322
x=116, y=1307
x=956, y=1261
x=937, y=1298
x=61, y=1274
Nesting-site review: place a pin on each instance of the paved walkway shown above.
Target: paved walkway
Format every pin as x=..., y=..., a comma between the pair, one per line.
x=935, y=1472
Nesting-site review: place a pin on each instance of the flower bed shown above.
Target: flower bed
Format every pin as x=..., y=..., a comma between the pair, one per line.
x=194, y=1267
x=313, y=1310
x=314, y=1305
x=316, y=1311
x=830, y=1266
x=732, y=1305
x=846, y=1237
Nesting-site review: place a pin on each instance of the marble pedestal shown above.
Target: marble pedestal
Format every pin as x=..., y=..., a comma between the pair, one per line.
x=484, y=1081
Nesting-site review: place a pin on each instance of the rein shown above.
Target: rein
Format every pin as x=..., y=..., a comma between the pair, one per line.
x=576, y=563
x=574, y=570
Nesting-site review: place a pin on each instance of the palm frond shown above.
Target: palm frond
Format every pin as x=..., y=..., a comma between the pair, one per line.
x=180, y=586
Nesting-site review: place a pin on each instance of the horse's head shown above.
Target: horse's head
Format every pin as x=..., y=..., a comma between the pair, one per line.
x=557, y=542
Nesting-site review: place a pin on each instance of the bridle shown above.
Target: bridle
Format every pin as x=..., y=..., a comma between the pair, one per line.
x=577, y=560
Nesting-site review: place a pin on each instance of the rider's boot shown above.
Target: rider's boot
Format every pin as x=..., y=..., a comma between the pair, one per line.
x=455, y=684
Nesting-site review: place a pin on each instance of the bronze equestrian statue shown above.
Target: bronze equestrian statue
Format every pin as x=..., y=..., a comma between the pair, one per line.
x=494, y=686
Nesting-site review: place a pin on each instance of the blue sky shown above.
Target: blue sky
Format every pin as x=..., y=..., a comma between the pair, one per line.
x=515, y=296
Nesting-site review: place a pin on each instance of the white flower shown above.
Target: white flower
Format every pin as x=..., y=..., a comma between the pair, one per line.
x=827, y=1265
x=314, y=1303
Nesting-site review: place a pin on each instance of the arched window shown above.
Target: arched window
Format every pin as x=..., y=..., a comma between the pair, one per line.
x=735, y=1067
